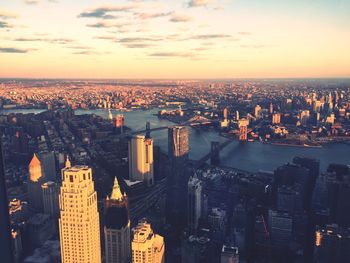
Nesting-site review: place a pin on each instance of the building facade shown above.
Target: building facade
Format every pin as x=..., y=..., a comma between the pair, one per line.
x=35, y=180
x=141, y=159
x=194, y=202
x=147, y=247
x=50, y=192
x=79, y=220
x=117, y=227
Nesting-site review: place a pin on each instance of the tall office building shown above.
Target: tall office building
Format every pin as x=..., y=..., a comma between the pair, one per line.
x=119, y=123
x=178, y=150
x=257, y=111
x=79, y=220
x=194, y=202
x=48, y=165
x=178, y=142
x=243, y=129
x=5, y=233
x=141, y=159
x=225, y=113
x=117, y=227
x=276, y=118
x=147, y=247
x=50, y=192
x=35, y=180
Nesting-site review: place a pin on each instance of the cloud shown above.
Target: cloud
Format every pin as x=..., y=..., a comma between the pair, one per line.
x=4, y=24
x=138, y=39
x=138, y=45
x=180, y=18
x=172, y=54
x=62, y=41
x=144, y=16
x=197, y=3
x=104, y=12
x=211, y=36
x=12, y=50
x=32, y=2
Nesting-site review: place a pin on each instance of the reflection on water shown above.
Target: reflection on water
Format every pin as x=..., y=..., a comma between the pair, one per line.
x=252, y=156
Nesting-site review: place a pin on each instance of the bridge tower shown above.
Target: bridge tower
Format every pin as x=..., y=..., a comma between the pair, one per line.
x=215, y=153
x=148, y=129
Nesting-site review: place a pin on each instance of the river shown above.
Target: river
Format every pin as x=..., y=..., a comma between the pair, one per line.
x=251, y=156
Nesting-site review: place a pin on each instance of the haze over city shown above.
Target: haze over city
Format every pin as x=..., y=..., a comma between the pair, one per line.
x=174, y=131
x=174, y=39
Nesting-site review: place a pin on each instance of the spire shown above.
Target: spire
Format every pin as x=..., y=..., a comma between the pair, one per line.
x=35, y=172
x=116, y=193
x=68, y=163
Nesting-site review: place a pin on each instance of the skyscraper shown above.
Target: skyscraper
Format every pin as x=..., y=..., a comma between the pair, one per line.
x=243, y=129
x=178, y=145
x=79, y=220
x=194, y=202
x=141, y=159
x=117, y=227
x=48, y=165
x=5, y=234
x=147, y=247
x=178, y=150
x=35, y=180
x=50, y=192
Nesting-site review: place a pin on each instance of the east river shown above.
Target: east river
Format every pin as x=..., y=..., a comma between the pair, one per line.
x=250, y=156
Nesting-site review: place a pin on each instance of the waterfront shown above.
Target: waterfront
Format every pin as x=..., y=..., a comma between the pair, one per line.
x=251, y=156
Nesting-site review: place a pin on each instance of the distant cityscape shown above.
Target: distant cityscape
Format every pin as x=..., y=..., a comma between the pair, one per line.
x=82, y=180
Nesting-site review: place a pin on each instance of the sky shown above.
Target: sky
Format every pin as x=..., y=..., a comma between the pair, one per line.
x=172, y=39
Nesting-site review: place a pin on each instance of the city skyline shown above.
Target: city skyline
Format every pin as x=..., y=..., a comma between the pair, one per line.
x=174, y=39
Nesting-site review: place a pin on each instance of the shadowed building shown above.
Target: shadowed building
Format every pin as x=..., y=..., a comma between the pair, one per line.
x=178, y=150
x=5, y=234
x=117, y=227
x=35, y=180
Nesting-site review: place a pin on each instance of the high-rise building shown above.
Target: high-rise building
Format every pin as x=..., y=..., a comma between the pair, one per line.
x=50, y=192
x=178, y=150
x=243, y=129
x=147, y=247
x=229, y=254
x=271, y=108
x=48, y=165
x=178, y=142
x=257, y=111
x=194, y=202
x=119, y=122
x=5, y=231
x=35, y=180
x=276, y=118
x=117, y=227
x=79, y=220
x=141, y=159
x=225, y=113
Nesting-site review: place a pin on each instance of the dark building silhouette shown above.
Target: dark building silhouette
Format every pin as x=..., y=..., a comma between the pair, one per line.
x=5, y=234
x=178, y=150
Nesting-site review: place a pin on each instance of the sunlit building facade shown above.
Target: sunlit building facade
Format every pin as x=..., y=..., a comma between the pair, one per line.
x=79, y=220
x=35, y=180
x=147, y=247
x=117, y=227
x=141, y=159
